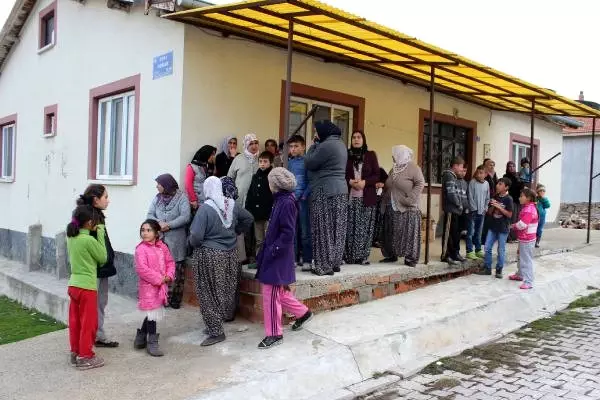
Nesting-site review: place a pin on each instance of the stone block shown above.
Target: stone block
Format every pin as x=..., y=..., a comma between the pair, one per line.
x=365, y=293
x=62, y=271
x=302, y=291
x=34, y=247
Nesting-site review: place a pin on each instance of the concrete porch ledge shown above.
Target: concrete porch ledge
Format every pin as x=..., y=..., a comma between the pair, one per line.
x=337, y=354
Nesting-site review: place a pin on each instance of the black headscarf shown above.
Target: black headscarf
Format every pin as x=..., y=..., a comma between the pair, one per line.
x=201, y=157
x=327, y=128
x=357, y=155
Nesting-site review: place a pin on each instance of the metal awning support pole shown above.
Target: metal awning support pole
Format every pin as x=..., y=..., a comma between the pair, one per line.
x=288, y=92
x=429, y=152
x=589, y=216
x=531, y=166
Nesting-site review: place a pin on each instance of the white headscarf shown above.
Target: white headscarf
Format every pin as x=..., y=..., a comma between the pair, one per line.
x=213, y=191
x=248, y=139
x=225, y=145
x=402, y=156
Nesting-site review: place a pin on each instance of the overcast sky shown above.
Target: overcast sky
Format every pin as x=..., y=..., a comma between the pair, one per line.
x=551, y=43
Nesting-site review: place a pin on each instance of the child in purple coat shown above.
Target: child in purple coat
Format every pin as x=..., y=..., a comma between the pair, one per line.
x=275, y=261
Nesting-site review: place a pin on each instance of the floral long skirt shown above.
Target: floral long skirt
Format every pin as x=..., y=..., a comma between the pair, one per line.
x=402, y=234
x=329, y=219
x=361, y=225
x=218, y=274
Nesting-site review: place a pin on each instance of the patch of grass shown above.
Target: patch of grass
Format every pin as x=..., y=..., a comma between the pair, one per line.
x=591, y=301
x=572, y=357
x=445, y=383
x=460, y=363
x=19, y=323
x=377, y=374
x=546, y=327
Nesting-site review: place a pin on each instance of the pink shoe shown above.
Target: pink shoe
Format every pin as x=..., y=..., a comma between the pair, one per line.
x=526, y=286
x=515, y=277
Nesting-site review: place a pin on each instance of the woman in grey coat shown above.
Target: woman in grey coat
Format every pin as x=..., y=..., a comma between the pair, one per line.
x=171, y=208
x=325, y=164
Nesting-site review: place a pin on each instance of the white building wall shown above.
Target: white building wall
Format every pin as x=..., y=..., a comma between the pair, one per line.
x=233, y=86
x=95, y=46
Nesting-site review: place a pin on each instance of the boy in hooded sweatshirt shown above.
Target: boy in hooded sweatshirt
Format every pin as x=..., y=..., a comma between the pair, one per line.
x=454, y=200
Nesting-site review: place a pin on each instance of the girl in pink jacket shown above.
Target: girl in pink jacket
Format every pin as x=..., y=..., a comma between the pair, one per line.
x=526, y=229
x=155, y=268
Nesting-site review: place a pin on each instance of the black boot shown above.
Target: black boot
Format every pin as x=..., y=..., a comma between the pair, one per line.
x=140, y=340
x=153, y=348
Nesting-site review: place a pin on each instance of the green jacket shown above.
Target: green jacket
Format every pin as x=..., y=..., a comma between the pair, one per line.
x=85, y=254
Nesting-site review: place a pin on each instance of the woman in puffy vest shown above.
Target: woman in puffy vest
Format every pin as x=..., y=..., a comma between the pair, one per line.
x=201, y=167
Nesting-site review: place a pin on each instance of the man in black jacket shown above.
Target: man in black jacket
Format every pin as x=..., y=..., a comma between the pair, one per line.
x=454, y=200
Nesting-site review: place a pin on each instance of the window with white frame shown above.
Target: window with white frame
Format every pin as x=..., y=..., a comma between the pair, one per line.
x=116, y=115
x=7, y=156
x=340, y=115
x=519, y=151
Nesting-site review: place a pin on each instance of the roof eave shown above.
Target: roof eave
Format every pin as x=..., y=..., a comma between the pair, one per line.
x=11, y=31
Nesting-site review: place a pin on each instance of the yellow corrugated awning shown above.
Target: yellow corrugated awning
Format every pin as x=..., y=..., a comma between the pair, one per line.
x=337, y=36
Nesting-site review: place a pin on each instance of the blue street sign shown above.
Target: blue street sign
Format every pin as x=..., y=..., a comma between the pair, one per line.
x=162, y=65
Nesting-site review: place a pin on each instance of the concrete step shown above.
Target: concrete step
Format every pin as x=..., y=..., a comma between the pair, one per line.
x=46, y=293
x=335, y=356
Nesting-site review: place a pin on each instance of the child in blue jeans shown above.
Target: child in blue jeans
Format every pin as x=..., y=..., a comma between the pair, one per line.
x=479, y=200
x=297, y=146
x=500, y=212
x=542, y=205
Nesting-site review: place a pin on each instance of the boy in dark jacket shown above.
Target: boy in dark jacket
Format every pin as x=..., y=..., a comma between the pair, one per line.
x=276, y=270
x=260, y=199
x=454, y=200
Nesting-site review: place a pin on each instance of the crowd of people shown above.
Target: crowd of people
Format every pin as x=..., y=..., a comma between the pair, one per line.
x=493, y=211
x=327, y=206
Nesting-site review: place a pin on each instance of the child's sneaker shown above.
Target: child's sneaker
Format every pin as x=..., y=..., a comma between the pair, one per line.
x=525, y=286
x=270, y=341
x=515, y=277
x=302, y=320
x=73, y=359
x=480, y=254
x=89, y=363
x=472, y=256
x=499, y=275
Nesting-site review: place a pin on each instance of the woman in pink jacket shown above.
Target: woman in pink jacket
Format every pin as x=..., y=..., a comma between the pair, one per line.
x=155, y=268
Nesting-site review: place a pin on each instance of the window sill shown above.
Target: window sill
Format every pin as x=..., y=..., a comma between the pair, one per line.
x=49, y=135
x=46, y=48
x=7, y=180
x=113, y=182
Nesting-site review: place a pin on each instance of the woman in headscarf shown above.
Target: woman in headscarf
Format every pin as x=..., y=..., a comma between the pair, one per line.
x=201, y=167
x=402, y=222
x=362, y=174
x=516, y=185
x=171, y=209
x=272, y=147
x=228, y=152
x=325, y=164
x=243, y=167
x=213, y=235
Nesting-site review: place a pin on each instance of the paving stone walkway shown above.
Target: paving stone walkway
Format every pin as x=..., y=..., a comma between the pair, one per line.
x=553, y=358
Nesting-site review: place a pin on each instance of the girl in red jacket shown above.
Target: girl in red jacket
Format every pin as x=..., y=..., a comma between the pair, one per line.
x=155, y=268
